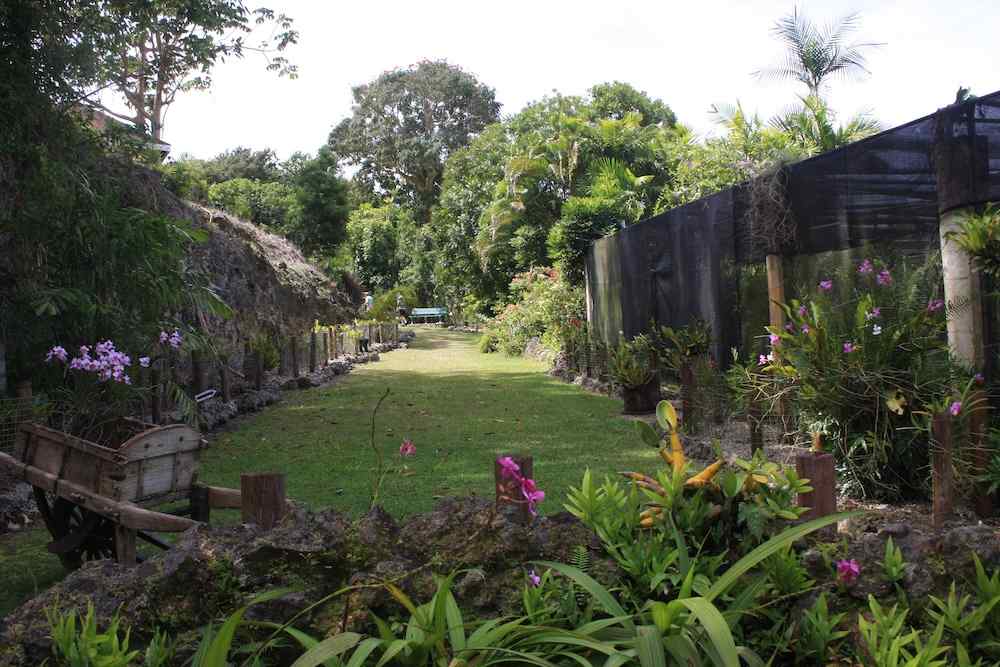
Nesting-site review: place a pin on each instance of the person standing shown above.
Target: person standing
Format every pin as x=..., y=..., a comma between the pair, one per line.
x=401, y=309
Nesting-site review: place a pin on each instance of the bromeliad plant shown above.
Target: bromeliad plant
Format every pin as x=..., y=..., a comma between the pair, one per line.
x=632, y=363
x=723, y=510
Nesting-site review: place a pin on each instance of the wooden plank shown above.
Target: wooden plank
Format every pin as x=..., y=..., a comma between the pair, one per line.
x=161, y=441
x=132, y=515
x=263, y=498
x=220, y=497
x=65, y=440
x=295, y=356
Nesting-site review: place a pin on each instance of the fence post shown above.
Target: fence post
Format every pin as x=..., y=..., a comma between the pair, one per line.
x=941, y=444
x=196, y=373
x=326, y=348
x=508, y=490
x=154, y=393
x=263, y=498
x=819, y=468
x=313, y=351
x=201, y=509
x=224, y=381
x=295, y=355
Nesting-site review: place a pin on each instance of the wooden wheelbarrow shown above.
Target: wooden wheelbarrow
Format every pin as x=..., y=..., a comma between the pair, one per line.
x=95, y=499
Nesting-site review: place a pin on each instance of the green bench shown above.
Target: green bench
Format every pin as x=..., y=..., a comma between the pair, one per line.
x=425, y=314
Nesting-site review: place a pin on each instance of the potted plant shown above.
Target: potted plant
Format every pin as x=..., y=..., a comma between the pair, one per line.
x=633, y=367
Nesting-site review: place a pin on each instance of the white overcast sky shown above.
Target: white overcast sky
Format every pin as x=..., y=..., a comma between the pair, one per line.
x=689, y=53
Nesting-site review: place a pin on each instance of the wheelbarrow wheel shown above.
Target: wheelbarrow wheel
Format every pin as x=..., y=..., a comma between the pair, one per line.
x=78, y=534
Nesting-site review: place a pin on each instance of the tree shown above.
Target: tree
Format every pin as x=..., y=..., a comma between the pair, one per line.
x=269, y=204
x=812, y=127
x=817, y=54
x=404, y=126
x=171, y=46
x=324, y=204
x=373, y=237
x=241, y=162
x=615, y=100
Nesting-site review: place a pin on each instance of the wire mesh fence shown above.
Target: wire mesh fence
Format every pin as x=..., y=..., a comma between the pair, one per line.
x=13, y=412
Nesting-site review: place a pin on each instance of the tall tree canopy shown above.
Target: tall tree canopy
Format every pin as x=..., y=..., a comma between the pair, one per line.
x=170, y=46
x=406, y=123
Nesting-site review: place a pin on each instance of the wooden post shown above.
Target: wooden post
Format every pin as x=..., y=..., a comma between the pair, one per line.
x=197, y=375
x=508, y=490
x=313, y=351
x=125, y=545
x=295, y=356
x=282, y=358
x=225, y=383
x=978, y=402
x=819, y=468
x=201, y=508
x=941, y=469
x=326, y=348
x=775, y=291
x=776, y=319
x=333, y=341
x=263, y=498
x=155, y=404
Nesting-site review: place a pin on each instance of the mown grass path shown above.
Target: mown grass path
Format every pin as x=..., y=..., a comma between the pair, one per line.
x=461, y=409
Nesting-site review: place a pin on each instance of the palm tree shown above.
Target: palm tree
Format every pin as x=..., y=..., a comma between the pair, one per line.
x=613, y=181
x=812, y=127
x=817, y=54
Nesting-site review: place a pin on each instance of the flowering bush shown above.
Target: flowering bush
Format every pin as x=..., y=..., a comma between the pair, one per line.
x=867, y=369
x=543, y=306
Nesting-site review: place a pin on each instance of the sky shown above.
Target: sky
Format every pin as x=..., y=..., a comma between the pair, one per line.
x=689, y=53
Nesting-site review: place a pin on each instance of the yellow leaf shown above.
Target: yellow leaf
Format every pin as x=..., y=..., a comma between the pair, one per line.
x=897, y=403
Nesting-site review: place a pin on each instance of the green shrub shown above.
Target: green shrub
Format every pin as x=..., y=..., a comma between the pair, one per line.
x=633, y=363
x=543, y=306
x=865, y=359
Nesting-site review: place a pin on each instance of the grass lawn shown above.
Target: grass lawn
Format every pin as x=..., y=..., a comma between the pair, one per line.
x=461, y=409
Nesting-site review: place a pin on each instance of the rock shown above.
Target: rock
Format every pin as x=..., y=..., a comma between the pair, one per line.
x=962, y=541
x=211, y=571
x=534, y=349
x=894, y=530
x=215, y=412
x=918, y=581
